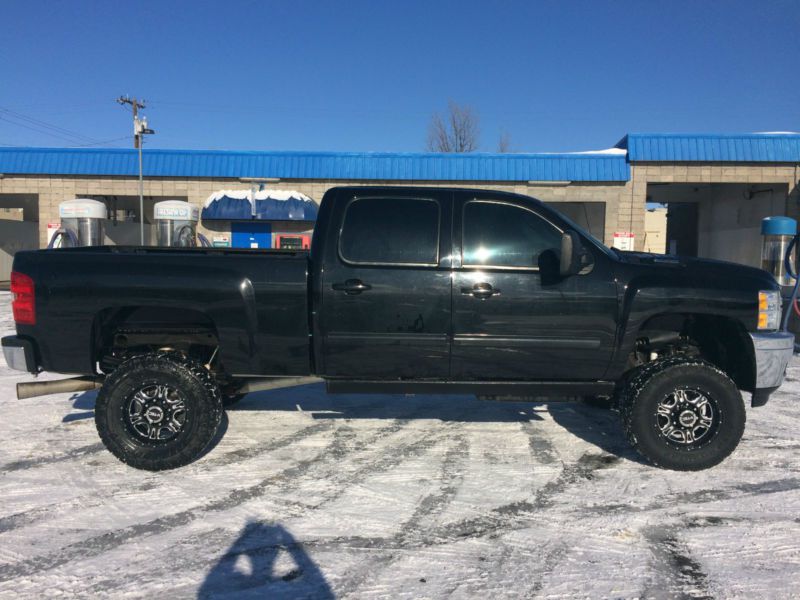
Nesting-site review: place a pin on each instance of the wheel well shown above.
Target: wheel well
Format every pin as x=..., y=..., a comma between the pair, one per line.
x=121, y=332
x=722, y=341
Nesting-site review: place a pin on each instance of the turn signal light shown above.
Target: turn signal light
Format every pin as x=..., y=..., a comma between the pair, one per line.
x=769, y=310
x=23, y=306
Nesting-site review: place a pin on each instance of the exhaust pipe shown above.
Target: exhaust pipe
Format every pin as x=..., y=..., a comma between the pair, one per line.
x=260, y=385
x=85, y=384
x=45, y=388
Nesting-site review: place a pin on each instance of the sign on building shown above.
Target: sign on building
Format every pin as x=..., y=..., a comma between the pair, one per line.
x=623, y=240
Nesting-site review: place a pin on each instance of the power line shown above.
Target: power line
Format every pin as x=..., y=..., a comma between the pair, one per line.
x=103, y=143
x=37, y=130
x=48, y=128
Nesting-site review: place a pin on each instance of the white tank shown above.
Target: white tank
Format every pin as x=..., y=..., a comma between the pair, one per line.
x=176, y=223
x=82, y=222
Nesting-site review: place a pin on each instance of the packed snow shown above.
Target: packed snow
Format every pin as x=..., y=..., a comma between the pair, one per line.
x=306, y=495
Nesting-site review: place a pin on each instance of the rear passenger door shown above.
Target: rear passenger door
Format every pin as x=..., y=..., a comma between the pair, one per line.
x=386, y=287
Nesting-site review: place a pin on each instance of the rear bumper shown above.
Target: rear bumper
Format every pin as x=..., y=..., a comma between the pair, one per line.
x=20, y=354
x=772, y=353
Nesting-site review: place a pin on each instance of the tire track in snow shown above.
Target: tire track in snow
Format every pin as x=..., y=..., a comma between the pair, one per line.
x=429, y=507
x=34, y=515
x=97, y=545
x=706, y=496
x=29, y=517
x=551, y=560
x=496, y=521
x=676, y=573
x=334, y=452
x=505, y=516
x=28, y=463
x=542, y=449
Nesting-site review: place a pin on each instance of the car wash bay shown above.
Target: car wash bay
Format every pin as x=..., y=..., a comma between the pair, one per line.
x=718, y=220
x=19, y=228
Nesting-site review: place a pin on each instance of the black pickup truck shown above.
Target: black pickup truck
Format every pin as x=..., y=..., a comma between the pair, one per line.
x=407, y=290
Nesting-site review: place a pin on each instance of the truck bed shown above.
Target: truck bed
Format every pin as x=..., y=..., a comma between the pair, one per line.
x=256, y=302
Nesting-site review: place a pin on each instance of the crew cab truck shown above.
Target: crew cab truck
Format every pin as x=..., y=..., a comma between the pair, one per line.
x=407, y=290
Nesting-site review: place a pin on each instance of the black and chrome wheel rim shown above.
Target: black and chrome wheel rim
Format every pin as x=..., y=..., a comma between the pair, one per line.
x=156, y=413
x=688, y=418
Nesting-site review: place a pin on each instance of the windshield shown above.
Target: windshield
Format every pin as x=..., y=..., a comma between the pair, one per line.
x=575, y=227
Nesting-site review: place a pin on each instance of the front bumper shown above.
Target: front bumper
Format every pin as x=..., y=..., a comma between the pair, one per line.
x=772, y=353
x=19, y=354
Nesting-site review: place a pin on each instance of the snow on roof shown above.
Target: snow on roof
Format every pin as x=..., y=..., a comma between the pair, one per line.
x=616, y=151
x=280, y=195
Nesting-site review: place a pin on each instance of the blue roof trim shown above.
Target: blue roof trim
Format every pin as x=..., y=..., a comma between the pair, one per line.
x=712, y=147
x=317, y=165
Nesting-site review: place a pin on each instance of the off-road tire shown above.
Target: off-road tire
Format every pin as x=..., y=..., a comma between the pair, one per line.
x=656, y=384
x=188, y=381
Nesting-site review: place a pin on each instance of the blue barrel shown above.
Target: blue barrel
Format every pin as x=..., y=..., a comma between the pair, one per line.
x=778, y=226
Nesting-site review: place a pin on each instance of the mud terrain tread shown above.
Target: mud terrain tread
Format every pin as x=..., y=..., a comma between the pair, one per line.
x=201, y=393
x=643, y=380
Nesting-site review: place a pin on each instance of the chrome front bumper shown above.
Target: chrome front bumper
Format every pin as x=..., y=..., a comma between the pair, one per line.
x=773, y=352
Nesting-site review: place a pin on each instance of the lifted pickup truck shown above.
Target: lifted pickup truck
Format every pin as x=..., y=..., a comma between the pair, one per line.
x=407, y=290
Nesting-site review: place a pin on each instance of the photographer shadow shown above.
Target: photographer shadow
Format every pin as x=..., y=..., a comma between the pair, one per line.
x=265, y=561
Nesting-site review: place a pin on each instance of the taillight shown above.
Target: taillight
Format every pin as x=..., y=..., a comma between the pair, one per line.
x=24, y=304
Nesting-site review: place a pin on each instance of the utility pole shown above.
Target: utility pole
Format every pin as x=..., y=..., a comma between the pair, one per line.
x=140, y=129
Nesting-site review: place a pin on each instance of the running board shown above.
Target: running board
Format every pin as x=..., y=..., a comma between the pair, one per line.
x=479, y=388
x=274, y=383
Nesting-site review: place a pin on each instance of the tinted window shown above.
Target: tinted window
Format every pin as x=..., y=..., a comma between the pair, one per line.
x=391, y=231
x=503, y=235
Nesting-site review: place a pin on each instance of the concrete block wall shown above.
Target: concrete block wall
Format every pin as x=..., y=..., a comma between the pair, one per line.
x=53, y=190
x=625, y=201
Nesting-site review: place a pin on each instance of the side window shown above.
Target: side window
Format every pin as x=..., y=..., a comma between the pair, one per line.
x=504, y=235
x=390, y=231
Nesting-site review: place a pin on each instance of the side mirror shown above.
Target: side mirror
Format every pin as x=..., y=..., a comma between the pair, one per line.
x=570, y=254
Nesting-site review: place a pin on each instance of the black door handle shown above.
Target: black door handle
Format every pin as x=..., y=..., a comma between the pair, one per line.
x=481, y=290
x=352, y=286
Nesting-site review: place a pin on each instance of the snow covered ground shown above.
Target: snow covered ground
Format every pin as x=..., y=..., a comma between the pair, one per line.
x=307, y=495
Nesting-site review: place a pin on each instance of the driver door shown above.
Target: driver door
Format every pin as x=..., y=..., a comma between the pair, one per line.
x=507, y=323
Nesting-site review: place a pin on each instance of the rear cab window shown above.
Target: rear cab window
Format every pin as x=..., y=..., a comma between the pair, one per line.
x=390, y=231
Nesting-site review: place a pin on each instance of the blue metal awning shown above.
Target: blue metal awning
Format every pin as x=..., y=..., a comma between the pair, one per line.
x=712, y=147
x=344, y=166
x=264, y=205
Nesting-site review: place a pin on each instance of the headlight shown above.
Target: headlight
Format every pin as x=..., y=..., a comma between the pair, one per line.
x=769, y=310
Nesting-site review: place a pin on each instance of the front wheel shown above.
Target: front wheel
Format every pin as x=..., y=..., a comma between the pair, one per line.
x=683, y=414
x=158, y=411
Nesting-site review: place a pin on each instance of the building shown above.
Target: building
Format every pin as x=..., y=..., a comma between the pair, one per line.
x=655, y=230
x=716, y=187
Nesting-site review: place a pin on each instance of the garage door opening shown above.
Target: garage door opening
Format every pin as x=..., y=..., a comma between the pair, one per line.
x=19, y=228
x=717, y=220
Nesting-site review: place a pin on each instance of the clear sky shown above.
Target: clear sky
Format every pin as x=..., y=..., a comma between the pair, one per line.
x=366, y=76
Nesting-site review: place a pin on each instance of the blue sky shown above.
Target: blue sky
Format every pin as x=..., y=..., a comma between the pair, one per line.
x=366, y=76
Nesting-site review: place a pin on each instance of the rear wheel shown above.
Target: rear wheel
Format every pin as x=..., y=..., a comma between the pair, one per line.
x=158, y=411
x=683, y=414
